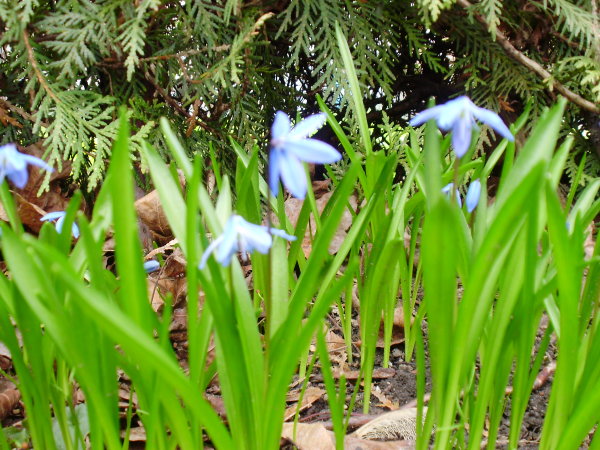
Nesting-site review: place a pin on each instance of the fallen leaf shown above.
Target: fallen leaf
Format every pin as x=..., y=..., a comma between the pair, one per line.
x=216, y=401
x=397, y=330
x=378, y=374
x=5, y=357
x=384, y=401
x=355, y=443
x=311, y=395
x=314, y=436
x=399, y=424
x=9, y=398
x=152, y=214
x=136, y=434
x=309, y=436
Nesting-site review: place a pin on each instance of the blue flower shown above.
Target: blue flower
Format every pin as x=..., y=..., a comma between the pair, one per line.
x=13, y=164
x=290, y=146
x=59, y=218
x=459, y=116
x=473, y=194
x=151, y=266
x=448, y=189
x=241, y=236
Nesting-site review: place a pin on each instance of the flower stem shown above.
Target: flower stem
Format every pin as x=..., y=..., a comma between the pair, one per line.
x=8, y=202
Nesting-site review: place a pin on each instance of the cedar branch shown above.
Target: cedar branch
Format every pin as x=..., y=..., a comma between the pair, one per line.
x=36, y=69
x=532, y=65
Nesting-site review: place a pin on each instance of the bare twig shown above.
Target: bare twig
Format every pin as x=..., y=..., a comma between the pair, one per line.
x=218, y=48
x=36, y=69
x=532, y=65
x=24, y=114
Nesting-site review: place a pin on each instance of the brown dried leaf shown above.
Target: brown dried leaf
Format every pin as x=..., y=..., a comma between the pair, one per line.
x=309, y=436
x=355, y=443
x=311, y=395
x=6, y=119
x=378, y=374
x=216, y=401
x=399, y=424
x=136, y=434
x=397, y=330
x=157, y=289
x=384, y=401
x=314, y=436
x=5, y=357
x=9, y=398
x=152, y=214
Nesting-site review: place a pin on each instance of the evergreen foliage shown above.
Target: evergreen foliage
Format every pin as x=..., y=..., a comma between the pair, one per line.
x=219, y=69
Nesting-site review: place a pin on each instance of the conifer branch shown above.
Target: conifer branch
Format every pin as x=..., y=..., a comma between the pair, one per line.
x=532, y=65
x=36, y=69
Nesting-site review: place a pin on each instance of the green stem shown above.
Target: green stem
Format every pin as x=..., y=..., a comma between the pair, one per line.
x=8, y=202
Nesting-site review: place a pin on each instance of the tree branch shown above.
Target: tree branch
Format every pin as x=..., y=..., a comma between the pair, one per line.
x=24, y=114
x=532, y=65
x=36, y=69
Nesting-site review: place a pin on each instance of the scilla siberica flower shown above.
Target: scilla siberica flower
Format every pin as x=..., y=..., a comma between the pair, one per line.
x=241, y=236
x=13, y=164
x=59, y=218
x=151, y=265
x=448, y=190
x=290, y=146
x=459, y=116
x=473, y=194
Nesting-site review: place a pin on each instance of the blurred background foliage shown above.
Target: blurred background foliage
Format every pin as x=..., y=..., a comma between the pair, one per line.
x=220, y=69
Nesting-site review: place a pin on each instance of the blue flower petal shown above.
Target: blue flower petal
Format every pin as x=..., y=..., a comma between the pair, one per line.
x=313, y=151
x=36, y=162
x=274, y=170
x=13, y=164
x=282, y=234
x=243, y=236
x=455, y=111
x=426, y=116
x=75, y=230
x=281, y=126
x=256, y=237
x=53, y=216
x=293, y=175
x=461, y=137
x=59, y=223
x=308, y=126
x=210, y=249
x=229, y=244
x=493, y=120
x=151, y=266
x=18, y=177
x=290, y=147
x=473, y=194
x=446, y=190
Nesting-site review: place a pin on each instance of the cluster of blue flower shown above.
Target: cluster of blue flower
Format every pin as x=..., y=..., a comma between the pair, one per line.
x=290, y=147
x=459, y=116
